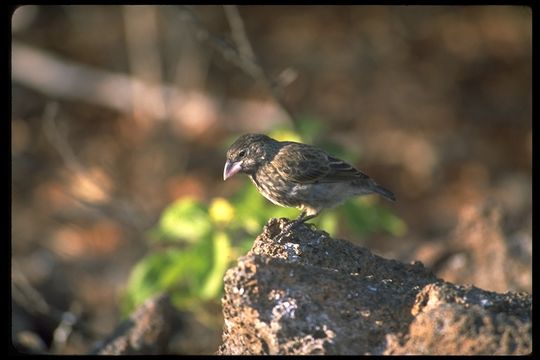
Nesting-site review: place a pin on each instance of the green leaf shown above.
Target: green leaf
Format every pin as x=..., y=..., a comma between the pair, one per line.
x=186, y=219
x=221, y=258
x=251, y=210
x=328, y=221
x=144, y=280
x=244, y=246
x=393, y=224
x=179, y=271
x=310, y=127
x=364, y=217
x=283, y=134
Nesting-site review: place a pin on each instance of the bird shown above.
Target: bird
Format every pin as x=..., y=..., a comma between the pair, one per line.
x=293, y=174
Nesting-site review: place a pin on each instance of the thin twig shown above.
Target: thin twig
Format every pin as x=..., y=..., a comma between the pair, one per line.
x=28, y=297
x=238, y=32
x=242, y=55
x=227, y=50
x=246, y=51
x=58, y=140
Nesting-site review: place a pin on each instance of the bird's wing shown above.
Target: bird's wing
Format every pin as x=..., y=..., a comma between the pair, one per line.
x=303, y=163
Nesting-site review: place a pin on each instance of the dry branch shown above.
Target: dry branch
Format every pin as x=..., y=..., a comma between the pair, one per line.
x=193, y=112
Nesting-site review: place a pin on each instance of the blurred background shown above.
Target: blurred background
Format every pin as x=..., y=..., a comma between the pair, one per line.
x=121, y=116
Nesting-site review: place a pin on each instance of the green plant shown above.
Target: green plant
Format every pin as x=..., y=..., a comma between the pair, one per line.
x=203, y=239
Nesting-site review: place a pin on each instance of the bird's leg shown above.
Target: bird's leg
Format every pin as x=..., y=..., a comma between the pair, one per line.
x=309, y=217
x=300, y=219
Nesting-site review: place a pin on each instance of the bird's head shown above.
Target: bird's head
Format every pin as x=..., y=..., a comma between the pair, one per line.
x=247, y=153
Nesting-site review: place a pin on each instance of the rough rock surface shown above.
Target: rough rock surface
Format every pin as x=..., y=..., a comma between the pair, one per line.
x=311, y=294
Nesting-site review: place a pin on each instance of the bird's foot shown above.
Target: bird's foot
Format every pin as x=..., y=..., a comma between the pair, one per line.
x=280, y=238
x=286, y=230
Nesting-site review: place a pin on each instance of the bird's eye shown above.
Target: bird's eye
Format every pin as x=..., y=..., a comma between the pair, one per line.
x=242, y=153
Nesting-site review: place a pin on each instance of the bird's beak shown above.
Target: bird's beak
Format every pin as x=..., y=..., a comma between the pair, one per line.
x=231, y=168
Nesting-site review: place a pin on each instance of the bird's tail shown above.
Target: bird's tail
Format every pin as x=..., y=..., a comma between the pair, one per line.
x=384, y=192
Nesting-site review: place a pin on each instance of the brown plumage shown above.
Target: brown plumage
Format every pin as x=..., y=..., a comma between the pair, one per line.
x=298, y=175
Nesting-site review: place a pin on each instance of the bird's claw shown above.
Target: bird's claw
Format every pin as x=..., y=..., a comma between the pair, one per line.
x=286, y=230
x=280, y=238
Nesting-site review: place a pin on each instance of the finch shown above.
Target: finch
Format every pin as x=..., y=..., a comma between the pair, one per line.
x=292, y=174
